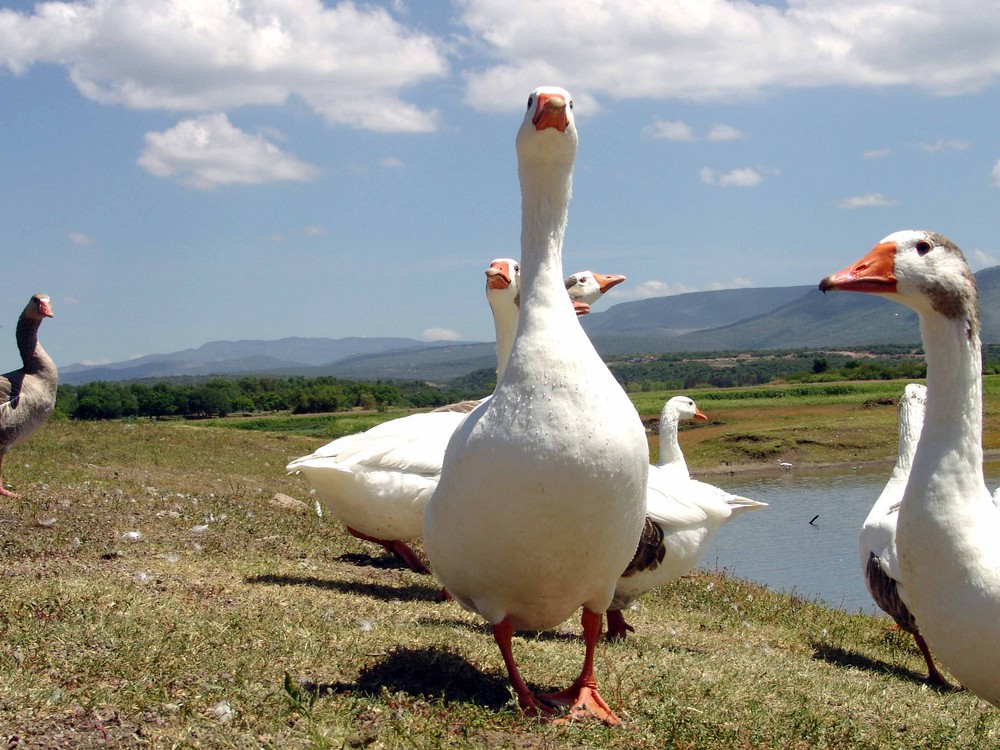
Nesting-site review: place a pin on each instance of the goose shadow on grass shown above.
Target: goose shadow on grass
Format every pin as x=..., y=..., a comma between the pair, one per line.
x=424, y=672
x=845, y=658
x=409, y=592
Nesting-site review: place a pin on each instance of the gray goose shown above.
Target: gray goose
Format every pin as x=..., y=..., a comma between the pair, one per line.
x=28, y=394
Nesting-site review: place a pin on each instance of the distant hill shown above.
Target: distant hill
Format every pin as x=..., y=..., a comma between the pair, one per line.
x=726, y=320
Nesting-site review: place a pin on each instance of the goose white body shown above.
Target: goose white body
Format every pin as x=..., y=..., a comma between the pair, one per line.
x=948, y=526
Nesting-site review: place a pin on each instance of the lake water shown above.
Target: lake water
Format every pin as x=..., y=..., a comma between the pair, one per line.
x=777, y=547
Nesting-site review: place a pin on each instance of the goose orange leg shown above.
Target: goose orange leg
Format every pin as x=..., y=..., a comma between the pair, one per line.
x=530, y=705
x=582, y=697
x=398, y=548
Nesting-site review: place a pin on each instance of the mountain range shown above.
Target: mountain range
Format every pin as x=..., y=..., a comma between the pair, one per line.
x=726, y=320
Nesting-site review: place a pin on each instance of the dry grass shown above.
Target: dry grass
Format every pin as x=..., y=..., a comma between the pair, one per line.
x=182, y=636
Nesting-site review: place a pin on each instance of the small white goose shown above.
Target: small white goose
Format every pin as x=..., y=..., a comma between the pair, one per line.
x=877, y=541
x=377, y=482
x=682, y=517
x=948, y=526
x=542, y=494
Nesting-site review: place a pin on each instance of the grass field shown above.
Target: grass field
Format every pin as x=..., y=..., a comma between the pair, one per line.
x=159, y=590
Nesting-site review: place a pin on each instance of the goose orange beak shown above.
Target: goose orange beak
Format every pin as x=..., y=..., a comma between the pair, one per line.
x=498, y=276
x=607, y=281
x=875, y=273
x=550, y=112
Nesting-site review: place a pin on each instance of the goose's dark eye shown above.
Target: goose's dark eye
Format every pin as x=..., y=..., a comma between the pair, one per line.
x=530, y=100
x=517, y=269
x=923, y=247
x=571, y=104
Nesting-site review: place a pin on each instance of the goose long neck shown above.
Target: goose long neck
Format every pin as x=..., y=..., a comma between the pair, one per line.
x=545, y=194
x=33, y=355
x=505, y=324
x=911, y=421
x=670, y=448
x=954, y=412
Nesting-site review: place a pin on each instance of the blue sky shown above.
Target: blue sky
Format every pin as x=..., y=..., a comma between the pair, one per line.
x=177, y=172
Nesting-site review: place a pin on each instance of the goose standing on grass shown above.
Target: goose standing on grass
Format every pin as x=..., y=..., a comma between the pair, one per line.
x=682, y=517
x=27, y=395
x=948, y=526
x=542, y=494
x=878, y=533
x=377, y=482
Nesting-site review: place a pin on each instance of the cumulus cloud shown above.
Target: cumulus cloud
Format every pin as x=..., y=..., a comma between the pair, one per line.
x=983, y=259
x=742, y=177
x=209, y=151
x=724, y=133
x=440, y=334
x=676, y=130
x=656, y=288
x=669, y=131
x=721, y=50
x=868, y=200
x=348, y=62
x=944, y=144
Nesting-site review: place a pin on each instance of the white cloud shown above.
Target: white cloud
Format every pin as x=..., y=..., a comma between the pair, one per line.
x=721, y=50
x=391, y=162
x=348, y=62
x=876, y=153
x=868, y=200
x=996, y=174
x=721, y=132
x=983, y=259
x=209, y=151
x=79, y=238
x=669, y=131
x=944, y=144
x=440, y=334
x=655, y=288
x=676, y=130
x=313, y=230
x=742, y=177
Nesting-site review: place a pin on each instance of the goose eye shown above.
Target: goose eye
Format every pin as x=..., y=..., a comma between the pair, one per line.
x=517, y=269
x=923, y=247
x=530, y=100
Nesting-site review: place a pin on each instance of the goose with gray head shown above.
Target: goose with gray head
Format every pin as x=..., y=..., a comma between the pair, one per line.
x=948, y=526
x=542, y=493
x=28, y=394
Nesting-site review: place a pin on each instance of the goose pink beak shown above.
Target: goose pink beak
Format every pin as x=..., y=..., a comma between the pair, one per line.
x=498, y=276
x=550, y=112
x=875, y=273
x=45, y=308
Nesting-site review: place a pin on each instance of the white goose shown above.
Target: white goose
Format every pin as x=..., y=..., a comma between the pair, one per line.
x=542, y=494
x=377, y=482
x=682, y=517
x=878, y=533
x=947, y=531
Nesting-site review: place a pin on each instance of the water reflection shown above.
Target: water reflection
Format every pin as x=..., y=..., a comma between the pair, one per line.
x=778, y=547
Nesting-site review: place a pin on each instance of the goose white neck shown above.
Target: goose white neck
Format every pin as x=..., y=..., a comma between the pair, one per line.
x=670, y=449
x=954, y=386
x=505, y=318
x=546, y=188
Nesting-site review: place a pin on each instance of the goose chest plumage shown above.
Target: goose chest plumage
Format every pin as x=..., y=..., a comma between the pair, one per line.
x=542, y=493
x=28, y=394
x=948, y=526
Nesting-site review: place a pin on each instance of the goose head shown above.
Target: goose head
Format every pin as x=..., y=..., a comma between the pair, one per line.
x=39, y=307
x=922, y=270
x=681, y=407
x=587, y=286
x=547, y=137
